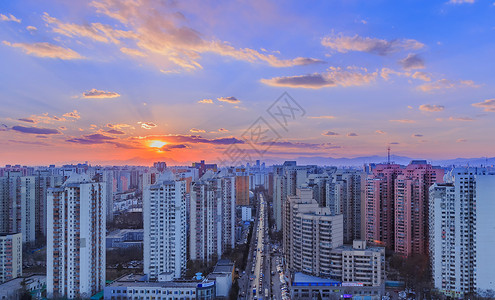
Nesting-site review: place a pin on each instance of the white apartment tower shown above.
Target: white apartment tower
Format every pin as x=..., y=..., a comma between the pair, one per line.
x=310, y=233
x=17, y=204
x=76, y=238
x=10, y=256
x=212, y=216
x=461, y=232
x=165, y=234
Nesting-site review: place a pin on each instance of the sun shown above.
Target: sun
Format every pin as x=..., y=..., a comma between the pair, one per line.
x=157, y=144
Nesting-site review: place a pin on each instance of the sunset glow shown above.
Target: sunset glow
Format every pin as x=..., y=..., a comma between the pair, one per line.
x=157, y=144
x=110, y=81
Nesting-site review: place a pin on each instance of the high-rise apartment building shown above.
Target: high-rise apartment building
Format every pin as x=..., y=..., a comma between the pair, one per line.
x=45, y=180
x=76, y=238
x=310, y=233
x=344, y=193
x=461, y=236
x=411, y=207
x=287, y=178
x=165, y=233
x=379, y=193
x=17, y=201
x=212, y=216
x=10, y=256
x=242, y=189
x=397, y=205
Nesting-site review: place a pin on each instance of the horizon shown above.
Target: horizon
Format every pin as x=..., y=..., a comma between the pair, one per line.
x=129, y=83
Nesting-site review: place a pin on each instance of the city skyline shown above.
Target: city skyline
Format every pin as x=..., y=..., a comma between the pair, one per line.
x=134, y=82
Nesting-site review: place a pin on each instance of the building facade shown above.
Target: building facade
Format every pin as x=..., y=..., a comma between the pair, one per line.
x=212, y=216
x=461, y=235
x=396, y=203
x=76, y=258
x=10, y=256
x=310, y=233
x=136, y=287
x=359, y=264
x=165, y=233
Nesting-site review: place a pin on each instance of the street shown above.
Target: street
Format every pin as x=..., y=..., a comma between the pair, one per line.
x=257, y=281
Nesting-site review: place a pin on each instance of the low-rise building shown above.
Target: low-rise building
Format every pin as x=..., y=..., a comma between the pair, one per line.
x=125, y=238
x=307, y=287
x=359, y=264
x=223, y=275
x=136, y=287
x=14, y=289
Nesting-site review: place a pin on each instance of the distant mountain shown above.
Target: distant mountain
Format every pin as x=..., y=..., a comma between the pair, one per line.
x=403, y=160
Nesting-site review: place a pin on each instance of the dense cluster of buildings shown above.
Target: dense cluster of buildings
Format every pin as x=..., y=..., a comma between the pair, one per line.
x=418, y=209
x=335, y=224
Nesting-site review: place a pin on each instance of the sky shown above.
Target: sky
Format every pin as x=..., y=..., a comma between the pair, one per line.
x=136, y=81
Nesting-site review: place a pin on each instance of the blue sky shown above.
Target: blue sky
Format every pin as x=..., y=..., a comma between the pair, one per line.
x=102, y=80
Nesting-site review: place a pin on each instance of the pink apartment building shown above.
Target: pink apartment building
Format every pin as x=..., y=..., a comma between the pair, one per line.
x=397, y=205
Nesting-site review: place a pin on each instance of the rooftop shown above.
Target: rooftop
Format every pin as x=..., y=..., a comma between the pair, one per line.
x=300, y=278
x=138, y=280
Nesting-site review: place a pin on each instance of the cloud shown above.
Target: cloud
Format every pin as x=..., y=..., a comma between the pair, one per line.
x=394, y=143
x=30, y=143
x=329, y=133
x=73, y=114
x=460, y=1
x=386, y=72
x=46, y=50
x=99, y=137
x=163, y=33
x=170, y=147
x=417, y=135
x=288, y=144
x=27, y=120
x=95, y=31
x=446, y=84
x=193, y=139
x=403, y=121
x=351, y=76
x=380, y=132
x=195, y=130
x=412, y=61
x=94, y=93
x=431, y=108
x=344, y=44
x=461, y=141
x=223, y=130
x=35, y=130
x=147, y=125
x=463, y=119
x=132, y=52
x=352, y=134
x=119, y=126
x=487, y=105
x=321, y=117
x=31, y=28
x=115, y=131
x=422, y=76
x=91, y=139
x=229, y=99
x=9, y=18
x=206, y=101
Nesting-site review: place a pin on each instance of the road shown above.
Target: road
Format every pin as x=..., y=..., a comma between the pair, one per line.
x=256, y=287
x=261, y=261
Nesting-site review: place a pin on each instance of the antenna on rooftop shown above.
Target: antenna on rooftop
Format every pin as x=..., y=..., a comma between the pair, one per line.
x=388, y=155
